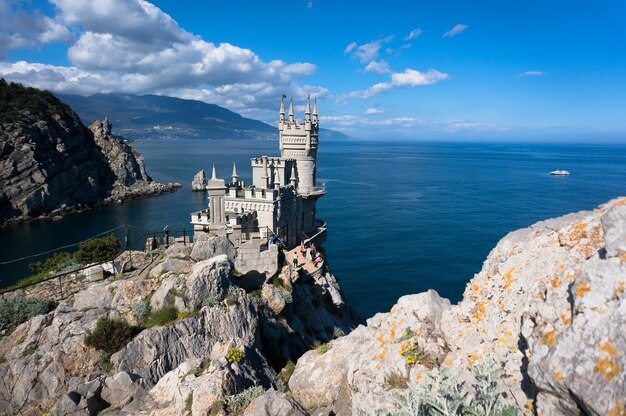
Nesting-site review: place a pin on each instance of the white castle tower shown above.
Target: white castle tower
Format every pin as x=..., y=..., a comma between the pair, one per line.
x=299, y=141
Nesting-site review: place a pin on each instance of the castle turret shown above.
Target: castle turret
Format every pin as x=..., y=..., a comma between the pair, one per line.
x=315, y=111
x=234, y=178
x=217, y=206
x=307, y=112
x=291, y=115
x=299, y=141
x=281, y=112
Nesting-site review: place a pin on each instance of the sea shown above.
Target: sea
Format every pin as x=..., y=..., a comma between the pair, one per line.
x=403, y=216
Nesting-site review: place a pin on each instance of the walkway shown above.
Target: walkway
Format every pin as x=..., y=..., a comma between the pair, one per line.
x=304, y=262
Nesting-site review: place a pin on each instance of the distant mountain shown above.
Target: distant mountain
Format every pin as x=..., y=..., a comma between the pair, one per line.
x=153, y=116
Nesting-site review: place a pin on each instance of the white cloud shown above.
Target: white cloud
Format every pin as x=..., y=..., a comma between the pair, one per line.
x=379, y=67
x=20, y=28
x=408, y=78
x=343, y=121
x=412, y=78
x=456, y=30
x=368, y=51
x=413, y=34
x=532, y=74
x=459, y=125
x=309, y=4
x=131, y=46
x=371, y=111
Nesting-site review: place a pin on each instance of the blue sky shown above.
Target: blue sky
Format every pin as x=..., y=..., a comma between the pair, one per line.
x=446, y=70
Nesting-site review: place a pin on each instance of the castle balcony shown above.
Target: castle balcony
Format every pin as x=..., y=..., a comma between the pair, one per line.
x=317, y=236
x=314, y=192
x=200, y=218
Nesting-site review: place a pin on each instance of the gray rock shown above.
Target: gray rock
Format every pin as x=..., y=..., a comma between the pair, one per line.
x=272, y=298
x=199, y=181
x=208, y=278
x=121, y=389
x=274, y=403
x=614, y=226
x=206, y=247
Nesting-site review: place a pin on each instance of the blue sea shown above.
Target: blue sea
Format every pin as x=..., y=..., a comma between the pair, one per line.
x=403, y=217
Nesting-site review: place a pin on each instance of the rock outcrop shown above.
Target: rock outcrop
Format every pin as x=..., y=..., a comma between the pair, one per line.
x=224, y=340
x=199, y=181
x=546, y=315
x=51, y=163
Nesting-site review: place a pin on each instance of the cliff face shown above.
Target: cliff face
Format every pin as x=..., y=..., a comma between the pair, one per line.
x=540, y=329
x=49, y=160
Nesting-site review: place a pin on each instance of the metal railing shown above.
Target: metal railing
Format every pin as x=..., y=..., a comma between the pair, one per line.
x=61, y=286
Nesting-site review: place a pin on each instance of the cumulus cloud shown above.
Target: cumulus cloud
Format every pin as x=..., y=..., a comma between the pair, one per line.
x=371, y=111
x=379, y=67
x=368, y=51
x=20, y=28
x=132, y=46
x=408, y=78
x=412, y=78
x=456, y=30
x=532, y=74
x=413, y=34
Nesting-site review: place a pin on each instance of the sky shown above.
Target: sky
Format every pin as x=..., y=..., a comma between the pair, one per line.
x=438, y=70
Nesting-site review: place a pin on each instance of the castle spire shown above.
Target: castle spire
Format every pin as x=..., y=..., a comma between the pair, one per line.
x=315, y=110
x=276, y=178
x=213, y=174
x=292, y=180
x=307, y=112
x=281, y=113
x=265, y=176
x=234, y=175
x=291, y=116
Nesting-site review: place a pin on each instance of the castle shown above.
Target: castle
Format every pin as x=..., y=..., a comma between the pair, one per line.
x=281, y=200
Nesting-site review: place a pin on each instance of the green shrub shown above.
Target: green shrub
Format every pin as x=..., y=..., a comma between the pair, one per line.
x=323, y=349
x=110, y=335
x=189, y=402
x=20, y=309
x=98, y=250
x=142, y=309
x=286, y=373
x=442, y=393
x=105, y=361
x=277, y=281
x=211, y=301
x=163, y=316
x=184, y=314
x=51, y=264
x=234, y=355
x=237, y=403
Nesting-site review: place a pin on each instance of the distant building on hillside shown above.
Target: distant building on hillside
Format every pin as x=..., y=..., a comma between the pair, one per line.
x=281, y=200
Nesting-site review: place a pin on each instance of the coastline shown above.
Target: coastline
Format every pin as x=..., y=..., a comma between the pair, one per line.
x=119, y=197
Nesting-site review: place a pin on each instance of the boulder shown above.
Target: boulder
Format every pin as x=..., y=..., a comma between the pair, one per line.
x=274, y=403
x=206, y=247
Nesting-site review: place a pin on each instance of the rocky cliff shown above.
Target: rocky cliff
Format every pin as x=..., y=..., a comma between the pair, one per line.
x=49, y=161
x=540, y=330
x=223, y=339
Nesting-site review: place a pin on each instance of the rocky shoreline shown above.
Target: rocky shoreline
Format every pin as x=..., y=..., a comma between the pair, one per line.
x=139, y=192
x=51, y=164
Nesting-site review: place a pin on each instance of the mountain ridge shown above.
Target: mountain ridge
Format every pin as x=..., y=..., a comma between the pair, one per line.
x=142, y=117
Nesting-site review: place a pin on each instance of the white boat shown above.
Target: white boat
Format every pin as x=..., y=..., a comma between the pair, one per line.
x=559, y=172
